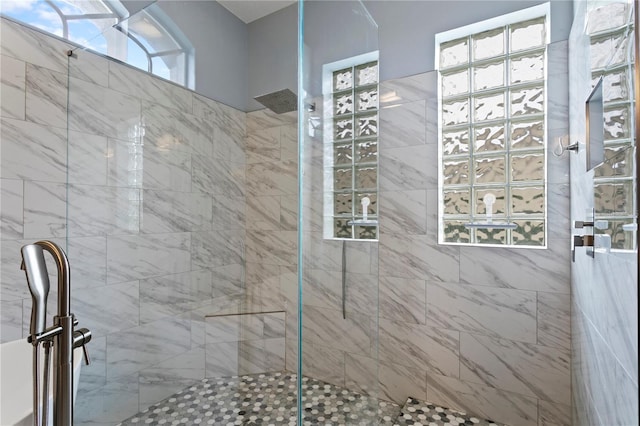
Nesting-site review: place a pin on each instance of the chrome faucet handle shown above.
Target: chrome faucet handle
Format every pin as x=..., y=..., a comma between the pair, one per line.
x=85, y=352
x=81, y=337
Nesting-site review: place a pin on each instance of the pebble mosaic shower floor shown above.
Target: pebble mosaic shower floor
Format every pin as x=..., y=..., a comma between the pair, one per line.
x=270, y=399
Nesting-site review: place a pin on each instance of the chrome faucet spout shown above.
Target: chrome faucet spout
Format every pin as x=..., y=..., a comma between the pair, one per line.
x=35, y=268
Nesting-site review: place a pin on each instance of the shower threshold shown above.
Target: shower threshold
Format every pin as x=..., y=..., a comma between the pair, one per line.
x=271, y=399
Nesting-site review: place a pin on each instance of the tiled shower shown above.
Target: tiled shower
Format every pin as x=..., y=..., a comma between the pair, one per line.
x=180, y=218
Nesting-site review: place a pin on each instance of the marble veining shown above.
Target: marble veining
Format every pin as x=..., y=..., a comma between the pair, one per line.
x=46, y=96
x=12, y=84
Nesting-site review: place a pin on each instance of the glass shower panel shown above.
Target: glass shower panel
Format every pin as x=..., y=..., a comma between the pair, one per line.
x=187, y=314
x=337, y=333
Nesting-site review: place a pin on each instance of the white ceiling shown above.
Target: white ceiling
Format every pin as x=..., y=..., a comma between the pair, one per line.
x=250, y=10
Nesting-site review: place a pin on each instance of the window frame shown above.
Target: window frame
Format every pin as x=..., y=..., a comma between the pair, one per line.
x=328, y=143
x=503, y=21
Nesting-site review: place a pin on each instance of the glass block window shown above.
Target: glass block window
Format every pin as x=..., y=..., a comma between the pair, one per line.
x=610, y=30
x=351, y=148
x=492, y=129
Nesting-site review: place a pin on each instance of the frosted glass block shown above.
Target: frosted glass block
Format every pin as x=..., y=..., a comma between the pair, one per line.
x=527, y=68
x=342, y=79
x=600, y=52
x=488, y=44
x=343, y=203
x=367, y=152
x=489, y=139
x=616, y=86
x=455, y=172
x=527, y=167
x=456, y=142
x=499, y=205
x=343, y=104
x=528, y=233
x=343, y=128
x=341, y=229
x=527, y=101
x=455, y=232
x=342, y=178
x=372, y=210
x=368, y=125
x=342, y=154
x=456, y=201
x=616, y=123
x=488, y=76
x=527, y=200
x=367, y=74
x=618, y=162
x=620, y=49
x=455, y=112
x=454, y=52
x=455, y=83
x=489, y=107
x=620, y=239
x=367, y=232
x=607, y=17
x=613, y=198
x=366, y=177
x=527, y=35
x=490, y=170
x=528, y=134
x=367, y=99
x=491, y=236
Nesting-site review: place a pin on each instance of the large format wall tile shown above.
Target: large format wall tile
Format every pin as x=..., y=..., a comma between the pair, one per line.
x=534, y=370
x=11, y=214
x=503, y=313
x=326, y=327
x=12, y=84
x=483, y=401
x=46, y=96
x=33, y=152
x=45, y=207
x=131, y=257
x=418, y=346
x=97, y=110
x=417, y=257
x=403, y=125
x=402, y=300
x=32, y=47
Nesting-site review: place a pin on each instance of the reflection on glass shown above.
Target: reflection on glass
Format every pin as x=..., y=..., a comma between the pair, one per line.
x=367, y=152
x=341, y=229
x=613, y=198
x=368, y=125
x=342, y=178
x=618, y=162
x=367, y=99
x=366, y=177
x=616, y=123
x=343, y=128
x=367, y=74
x=343, y=103
x=366, y=232
x=342, y=154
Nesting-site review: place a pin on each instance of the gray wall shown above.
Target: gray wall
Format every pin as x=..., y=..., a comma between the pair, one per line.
x=221, y=44
x=406, y=32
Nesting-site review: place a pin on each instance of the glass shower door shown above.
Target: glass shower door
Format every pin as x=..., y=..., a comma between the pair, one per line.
x=338, y=214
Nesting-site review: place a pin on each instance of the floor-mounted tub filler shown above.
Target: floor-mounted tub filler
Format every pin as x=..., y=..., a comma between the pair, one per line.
x=51, y=385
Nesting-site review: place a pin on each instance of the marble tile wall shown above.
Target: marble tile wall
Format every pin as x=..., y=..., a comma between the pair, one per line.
x=147, y=194
x=604, y=308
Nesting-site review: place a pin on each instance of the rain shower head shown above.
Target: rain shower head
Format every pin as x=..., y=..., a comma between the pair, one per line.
x=279, y=102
